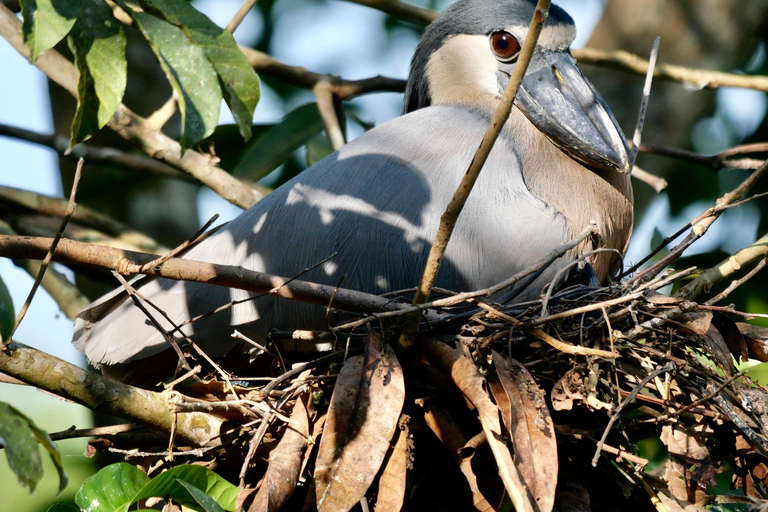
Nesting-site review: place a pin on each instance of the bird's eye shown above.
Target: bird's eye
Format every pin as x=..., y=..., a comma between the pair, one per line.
x=505, y=46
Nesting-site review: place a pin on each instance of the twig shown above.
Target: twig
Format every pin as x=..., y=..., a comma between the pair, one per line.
x=737, y=282
x=325, y=104
x=727, y=267
x=714, y=162
x=458, y=298
x=453, y=210
x=133, y=127
x=644, y=104
x=700, y=401
x=702, y=78
x=700, y=225
x=655, y=182
x=401, y=10
x=181, y=247
x=648, y=378
x=73, y=433
x=240, y=15
x=252, y=446
x=47, y=260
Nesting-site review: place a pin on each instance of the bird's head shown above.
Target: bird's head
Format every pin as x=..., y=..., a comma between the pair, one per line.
x=467, y=55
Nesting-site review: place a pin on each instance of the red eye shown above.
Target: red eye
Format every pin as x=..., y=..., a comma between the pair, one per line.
x=505, y=46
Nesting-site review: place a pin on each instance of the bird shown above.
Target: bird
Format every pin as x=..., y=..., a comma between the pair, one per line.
x=560, y=162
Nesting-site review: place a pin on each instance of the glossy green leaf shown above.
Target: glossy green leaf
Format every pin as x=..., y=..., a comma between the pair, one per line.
x=7, y=316
x=53, y=452
x=98, y=42
x=46, y=22
x=168, y=484
x=239, y=81
x=275, y=146
x=20, y=443
x=113, y=489
x=191, y=75
x=206, y=502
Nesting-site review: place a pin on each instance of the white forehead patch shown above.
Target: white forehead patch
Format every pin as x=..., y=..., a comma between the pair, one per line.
x=555, y=37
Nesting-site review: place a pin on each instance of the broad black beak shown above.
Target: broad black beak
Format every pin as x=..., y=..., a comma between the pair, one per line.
x=563, y=104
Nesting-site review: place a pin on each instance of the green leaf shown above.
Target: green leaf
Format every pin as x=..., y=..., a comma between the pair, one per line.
x=318, y=147
x=20, y=437
x=170, y=484
x=113, y=489
x=239, y=81
x=190, y=73
x=7, y=316
x=20, y=447
x=275, y=146
x=205, y=501
x=46, y=22
x=98, y=43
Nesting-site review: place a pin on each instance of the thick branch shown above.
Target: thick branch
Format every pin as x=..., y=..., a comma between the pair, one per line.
x=135, y=128
x=128, y=262
x=105, y=395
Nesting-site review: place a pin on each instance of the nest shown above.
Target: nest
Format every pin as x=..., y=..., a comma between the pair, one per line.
x=593, y=399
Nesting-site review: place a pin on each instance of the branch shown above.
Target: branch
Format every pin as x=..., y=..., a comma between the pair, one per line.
x=96, y=154
x=306, y=79
x=726, y=268
x=715, y=162
x=69, y=299
x=401, y=10
x=56, y=207
x=178, y=269
x=453, y=210
x=701, y=78
x=135, y=128
x=106, y=395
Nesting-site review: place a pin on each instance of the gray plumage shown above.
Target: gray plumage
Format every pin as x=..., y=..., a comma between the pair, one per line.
x=377, y=203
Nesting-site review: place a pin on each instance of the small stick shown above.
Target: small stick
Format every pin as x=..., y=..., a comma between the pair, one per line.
x=453, y=210
x=644, y=104
x=64, y=221
x=325, y=104
x=171, y=254
x=240, y=15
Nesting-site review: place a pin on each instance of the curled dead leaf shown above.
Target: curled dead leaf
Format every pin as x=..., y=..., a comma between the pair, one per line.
x=756, y=338
x=532, y=433
x=361, y=420
x=689, y=469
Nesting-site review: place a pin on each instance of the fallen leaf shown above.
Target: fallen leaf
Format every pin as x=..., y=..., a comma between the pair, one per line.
x=567, y=390
x=362, y=418
x=757, y=340
x=283, y=471
x=529, y=423
x=465, y=375
x=689, y=468
x=391, y=495
x=445, y=428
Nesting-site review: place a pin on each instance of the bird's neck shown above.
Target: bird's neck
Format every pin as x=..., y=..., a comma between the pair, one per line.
x=580, y=194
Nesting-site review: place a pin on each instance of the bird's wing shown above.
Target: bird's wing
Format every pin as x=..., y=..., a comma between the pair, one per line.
x=376, y=204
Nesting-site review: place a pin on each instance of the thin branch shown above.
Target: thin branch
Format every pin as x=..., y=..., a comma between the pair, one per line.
x=644, y=103
x=701, y=78
x=700, y=226
x=729, y=266
x=715, y=162
x=47, y=260
x=180, y=248
x=453, y=210
x=325, y=104
x=655, y=182
x=133, y=127
x=402, y=10
x=66, y=295
x=240, y=15
x=105, y=395
x=129, y=262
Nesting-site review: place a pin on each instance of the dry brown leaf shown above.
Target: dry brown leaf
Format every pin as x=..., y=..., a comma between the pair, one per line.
x=689, y=469
x=362, y=418
x=757, y=340
x=445, y=428
x=567, y=390
x=391, y=494
x=529, y=423
x=471, y=383
x=283, y=471
x=733, y=337
x=700, y=322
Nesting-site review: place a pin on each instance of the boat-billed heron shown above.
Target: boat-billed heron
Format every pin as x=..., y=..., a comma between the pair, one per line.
x=560, y=162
